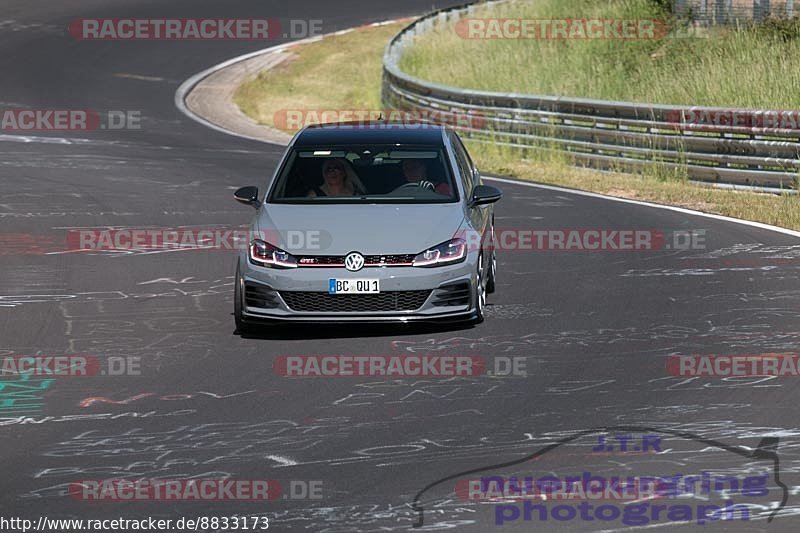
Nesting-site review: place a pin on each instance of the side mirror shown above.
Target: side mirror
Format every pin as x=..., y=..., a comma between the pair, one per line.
x=247, y=195
x=485, y=194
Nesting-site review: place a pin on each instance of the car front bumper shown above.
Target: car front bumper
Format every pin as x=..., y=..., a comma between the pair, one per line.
x=408, y=294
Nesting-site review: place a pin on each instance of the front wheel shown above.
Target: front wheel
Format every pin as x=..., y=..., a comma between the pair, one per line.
x=479, y=293
x=490, y=277
x=238, y=303
x=490, y=283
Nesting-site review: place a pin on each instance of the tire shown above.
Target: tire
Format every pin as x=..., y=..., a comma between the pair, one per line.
x=479, y=293
x=238, y=303
x=490, y=285
x=490, y=277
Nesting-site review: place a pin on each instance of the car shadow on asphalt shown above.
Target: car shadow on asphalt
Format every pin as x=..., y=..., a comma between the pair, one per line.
x=345, y=331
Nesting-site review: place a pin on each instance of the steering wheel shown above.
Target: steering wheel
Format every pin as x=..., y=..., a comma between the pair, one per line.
x=423, y=184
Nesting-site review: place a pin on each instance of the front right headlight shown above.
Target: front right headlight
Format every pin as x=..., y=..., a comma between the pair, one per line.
x=265, y=254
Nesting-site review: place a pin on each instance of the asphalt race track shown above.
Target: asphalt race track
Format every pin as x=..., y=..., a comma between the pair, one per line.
x=594, y=329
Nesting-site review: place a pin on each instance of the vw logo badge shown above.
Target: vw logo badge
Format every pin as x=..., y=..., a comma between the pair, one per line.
x=354, y=262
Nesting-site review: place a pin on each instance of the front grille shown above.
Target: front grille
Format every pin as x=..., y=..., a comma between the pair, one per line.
x=256, y=295
x=322, y=302
x=369, y=260
x=456, y=294
x=388, y=259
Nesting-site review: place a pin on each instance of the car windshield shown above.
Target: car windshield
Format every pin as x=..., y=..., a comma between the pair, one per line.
x=365, y=174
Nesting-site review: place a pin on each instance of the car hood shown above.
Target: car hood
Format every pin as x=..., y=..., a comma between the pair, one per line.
x=338, y=229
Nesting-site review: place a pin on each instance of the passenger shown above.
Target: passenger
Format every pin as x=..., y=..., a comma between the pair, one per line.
x=339, y=180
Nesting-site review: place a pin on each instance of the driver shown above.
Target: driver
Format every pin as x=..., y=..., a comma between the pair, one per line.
x=415, y=171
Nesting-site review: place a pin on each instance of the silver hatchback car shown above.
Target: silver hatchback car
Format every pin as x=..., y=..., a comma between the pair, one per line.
x=369, y=222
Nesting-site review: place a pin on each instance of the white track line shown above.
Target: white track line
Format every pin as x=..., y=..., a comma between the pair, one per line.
x=186, y=87
x=648, y=204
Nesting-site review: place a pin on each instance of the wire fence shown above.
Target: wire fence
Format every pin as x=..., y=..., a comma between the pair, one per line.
x=732, y=12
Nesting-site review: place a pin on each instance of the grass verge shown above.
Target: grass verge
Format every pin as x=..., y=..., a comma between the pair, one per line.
x=344, y=73
x=340, y=72
x=754, y=66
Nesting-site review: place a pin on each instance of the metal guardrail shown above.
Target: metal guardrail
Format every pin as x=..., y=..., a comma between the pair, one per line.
x=622, y=136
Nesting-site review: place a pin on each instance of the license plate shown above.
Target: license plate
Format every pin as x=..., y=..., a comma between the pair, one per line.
x=353, y=286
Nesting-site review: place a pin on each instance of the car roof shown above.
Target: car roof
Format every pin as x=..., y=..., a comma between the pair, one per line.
x=375, y=132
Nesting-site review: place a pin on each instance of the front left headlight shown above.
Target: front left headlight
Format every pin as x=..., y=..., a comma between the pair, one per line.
x=447, y=253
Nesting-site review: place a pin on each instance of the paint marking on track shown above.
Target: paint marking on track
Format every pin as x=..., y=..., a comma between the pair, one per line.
x=283, y=461
x=136, y=77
